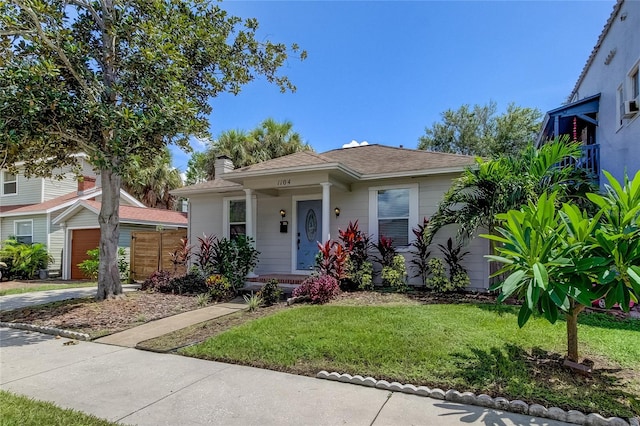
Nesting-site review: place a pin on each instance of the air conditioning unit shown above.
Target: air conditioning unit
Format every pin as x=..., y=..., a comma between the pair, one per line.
x=631, y=108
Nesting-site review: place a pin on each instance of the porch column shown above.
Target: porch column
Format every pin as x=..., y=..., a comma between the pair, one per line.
x=249, y=214
x=249, y=222
x=326, y=211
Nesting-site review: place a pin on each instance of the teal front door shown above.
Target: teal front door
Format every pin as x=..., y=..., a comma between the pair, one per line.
x=308, y=233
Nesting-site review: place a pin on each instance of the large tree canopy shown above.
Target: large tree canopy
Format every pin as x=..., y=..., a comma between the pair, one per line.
x=118, y=80
x=478, y=130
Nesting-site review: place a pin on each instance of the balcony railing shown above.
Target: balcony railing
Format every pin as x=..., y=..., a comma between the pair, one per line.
x=590, y=160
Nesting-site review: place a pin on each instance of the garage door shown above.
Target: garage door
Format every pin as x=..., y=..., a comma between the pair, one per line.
x=81, y=241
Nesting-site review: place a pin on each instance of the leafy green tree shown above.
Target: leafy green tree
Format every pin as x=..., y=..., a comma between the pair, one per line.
x=561, y=260
x=117, y=80
x=479, y=131
x=151, y=183
x=196, y=168
x=271, y=139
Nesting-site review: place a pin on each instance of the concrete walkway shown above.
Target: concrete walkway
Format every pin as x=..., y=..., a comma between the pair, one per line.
x=143, y=388
x=17, y=301
x=131, y=337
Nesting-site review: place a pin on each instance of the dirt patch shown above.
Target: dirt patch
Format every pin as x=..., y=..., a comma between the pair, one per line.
x=101, y=318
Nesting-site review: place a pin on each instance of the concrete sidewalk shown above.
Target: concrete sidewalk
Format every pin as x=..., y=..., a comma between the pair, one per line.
x=131, y=337
x=17, y=301
x=136, y=387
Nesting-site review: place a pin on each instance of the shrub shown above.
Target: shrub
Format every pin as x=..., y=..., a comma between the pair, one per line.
x=439, y=282
x=24, y=260
x=331, y=259
x=270, y=293
x=90, y=266
x=219, y=287
x=386, y=250
x=361, y=278
x=232, y=258
x=319, y=289
x=158, y=281
x=395, y=275
x=181, y=255
x=189, y=283
x=453, y=257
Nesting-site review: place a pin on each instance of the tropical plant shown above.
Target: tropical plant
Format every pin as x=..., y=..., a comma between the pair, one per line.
x=204, y=257
x=91, y=265
x=319, y=289
x=203, y=299
x=421, y=252
x=253, y=301
x=395, y=275
x=358, y=268
x=560, y=261
x=24, y=260
x=331, y=260
x=117, y=80
x=387, y=251
x=453, y=256
x=181, y=255
x=270, y=292
x=157, y=281
x=219, y=287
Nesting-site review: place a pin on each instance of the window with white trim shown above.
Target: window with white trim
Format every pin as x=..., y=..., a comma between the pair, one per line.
x=620, y=109
x=634, y=83
x=24, y=231
x=393, y=212
x=237, y=218
x=9, y=184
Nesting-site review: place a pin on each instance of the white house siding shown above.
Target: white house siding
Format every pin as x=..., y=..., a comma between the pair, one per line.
x=274, y=246
x=56, y=242
x=205, y=216
x=29, y=191
x=619, y=147
x=54, y=188
x=39, y=227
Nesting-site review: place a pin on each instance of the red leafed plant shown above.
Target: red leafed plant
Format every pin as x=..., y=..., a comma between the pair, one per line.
x=332, y=259
x=319, y=289
x=181, y=255
x=387, y=251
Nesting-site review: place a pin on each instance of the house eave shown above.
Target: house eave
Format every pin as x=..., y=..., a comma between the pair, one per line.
x=415, y=173
x=239, y=176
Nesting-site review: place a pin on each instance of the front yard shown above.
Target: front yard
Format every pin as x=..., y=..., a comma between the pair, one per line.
x=469, y=347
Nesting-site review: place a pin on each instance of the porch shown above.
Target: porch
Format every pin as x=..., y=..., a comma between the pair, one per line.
x=286, y=282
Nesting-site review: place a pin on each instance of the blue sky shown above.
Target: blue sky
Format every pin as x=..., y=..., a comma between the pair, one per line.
x=383, y=71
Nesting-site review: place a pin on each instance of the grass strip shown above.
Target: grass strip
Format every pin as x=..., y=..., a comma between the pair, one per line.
x=44, y=287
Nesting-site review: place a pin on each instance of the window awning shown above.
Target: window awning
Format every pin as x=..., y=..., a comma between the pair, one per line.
x=559, y=121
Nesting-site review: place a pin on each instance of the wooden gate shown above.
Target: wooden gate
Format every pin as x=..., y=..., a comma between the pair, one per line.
x=150, y=252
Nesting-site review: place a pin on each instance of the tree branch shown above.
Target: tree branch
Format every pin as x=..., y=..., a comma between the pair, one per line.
x=92, y=11
x=59, y=51
x=81, y=142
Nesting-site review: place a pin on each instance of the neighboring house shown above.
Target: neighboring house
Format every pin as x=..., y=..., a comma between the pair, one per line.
x=290, y=203
x=603, y=109
x=63, y=214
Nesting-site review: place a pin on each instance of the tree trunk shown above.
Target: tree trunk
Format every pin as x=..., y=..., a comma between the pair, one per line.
x=572, y=331
x=109, y=284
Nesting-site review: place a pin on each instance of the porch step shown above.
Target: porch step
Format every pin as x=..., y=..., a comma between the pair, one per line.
x=286, y=282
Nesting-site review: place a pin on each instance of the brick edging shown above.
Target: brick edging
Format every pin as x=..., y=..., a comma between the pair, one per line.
x=499, y=403
x=47, y=330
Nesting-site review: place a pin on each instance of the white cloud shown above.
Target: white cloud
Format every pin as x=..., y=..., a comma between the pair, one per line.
x=355, y=143
x=199, y=144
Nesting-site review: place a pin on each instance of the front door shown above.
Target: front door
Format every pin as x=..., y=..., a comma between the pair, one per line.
x=308, y=233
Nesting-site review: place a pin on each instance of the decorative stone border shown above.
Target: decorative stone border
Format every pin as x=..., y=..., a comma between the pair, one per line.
x=499, y=403
x=47, y=330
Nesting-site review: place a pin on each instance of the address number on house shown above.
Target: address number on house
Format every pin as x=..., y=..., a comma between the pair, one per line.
x=283, y=182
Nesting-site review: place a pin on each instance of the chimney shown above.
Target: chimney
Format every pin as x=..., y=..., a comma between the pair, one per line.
x=85, y=183
x=222, y=165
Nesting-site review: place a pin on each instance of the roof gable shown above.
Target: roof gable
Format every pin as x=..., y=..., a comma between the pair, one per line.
x=129, y=214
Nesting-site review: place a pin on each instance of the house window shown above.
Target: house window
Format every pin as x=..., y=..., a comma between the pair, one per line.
x=394, y=211
x=620, y=109
x=9, y=184
x=237, y=218
x=635, y=83
x=24, y=231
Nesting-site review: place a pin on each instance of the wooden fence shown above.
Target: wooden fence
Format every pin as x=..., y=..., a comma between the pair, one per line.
x=150, y=252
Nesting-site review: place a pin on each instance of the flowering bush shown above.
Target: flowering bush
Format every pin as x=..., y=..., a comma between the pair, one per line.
x=319, y=289
x=219, y=287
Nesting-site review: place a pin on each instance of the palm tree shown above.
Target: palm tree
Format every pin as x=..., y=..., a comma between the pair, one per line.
x=506, y=183
x=269, y=140
x=151, y=181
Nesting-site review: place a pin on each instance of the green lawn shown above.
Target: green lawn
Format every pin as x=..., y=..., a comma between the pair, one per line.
x=44, y=287
x=475, y=348
x=22, y=411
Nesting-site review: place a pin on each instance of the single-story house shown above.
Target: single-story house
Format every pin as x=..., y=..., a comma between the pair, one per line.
x=289, y=204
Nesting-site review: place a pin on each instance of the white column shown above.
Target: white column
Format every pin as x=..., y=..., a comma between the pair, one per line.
x=326, y=211
x=249, y=213
x=250, y=226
